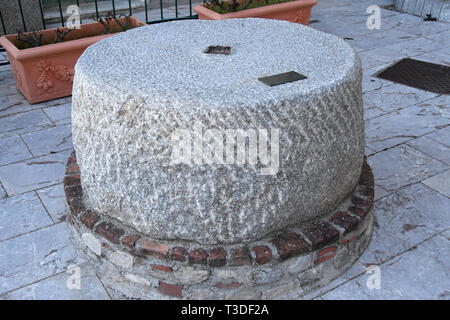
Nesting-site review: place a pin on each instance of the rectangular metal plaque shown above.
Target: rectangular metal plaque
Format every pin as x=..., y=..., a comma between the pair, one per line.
x=282, y=78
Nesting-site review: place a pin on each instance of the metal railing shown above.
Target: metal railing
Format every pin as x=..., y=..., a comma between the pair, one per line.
x=112, y=8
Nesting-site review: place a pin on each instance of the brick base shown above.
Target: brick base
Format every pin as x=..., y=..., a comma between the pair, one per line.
x=288, y=264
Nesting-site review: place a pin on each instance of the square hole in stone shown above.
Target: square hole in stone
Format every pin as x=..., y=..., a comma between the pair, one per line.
x=281, y=78
x=420, y=75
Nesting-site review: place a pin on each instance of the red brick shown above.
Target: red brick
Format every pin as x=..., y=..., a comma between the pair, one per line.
x=322, y=259
x=172, y=290
x=130, y=241
x=344, y=241
x=72, y=159
x=289, y=245
x=89, y=219
x=74, y=169
x=198, y=256
x=157, y=249
x=73, y=193
x=366, y=177
x=263, y=254
x=217, y=257
x=227, y=285
x=367, y=192
x=240, y=256
x=161, y=267
x=76, y=206
x=361, y=207
x=344, y=220
x=109, y=231
x=362, y=203
x=326, y=250
x=358, y=211
x=321, y=234
x=178, y=254
x=73, y=180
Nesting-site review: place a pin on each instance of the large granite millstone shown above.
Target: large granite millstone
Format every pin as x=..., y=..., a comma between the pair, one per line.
x=133, y=91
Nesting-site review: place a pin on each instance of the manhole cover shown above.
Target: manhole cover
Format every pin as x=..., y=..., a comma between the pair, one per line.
x=419, y=74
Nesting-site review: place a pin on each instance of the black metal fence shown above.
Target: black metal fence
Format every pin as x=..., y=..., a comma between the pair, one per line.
x=181, y=9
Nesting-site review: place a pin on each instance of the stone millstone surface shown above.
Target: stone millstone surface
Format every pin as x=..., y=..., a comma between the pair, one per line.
x=133, y=91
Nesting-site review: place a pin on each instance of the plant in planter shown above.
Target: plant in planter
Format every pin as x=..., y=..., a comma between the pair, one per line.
x=297, y=11
x=43, y=61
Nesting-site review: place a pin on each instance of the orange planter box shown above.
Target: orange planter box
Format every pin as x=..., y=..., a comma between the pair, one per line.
x=46, y=72
x=297, y=11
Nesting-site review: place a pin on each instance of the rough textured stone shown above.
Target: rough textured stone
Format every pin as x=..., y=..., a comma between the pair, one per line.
x=122, y=259
x=244, y=294
x=298, y=264
x=267, y=275
x=92, y=243
x=280, y=291
x=122, y=129
x=191, y=275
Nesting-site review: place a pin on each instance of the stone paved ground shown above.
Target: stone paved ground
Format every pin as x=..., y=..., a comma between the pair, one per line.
x=408, y=147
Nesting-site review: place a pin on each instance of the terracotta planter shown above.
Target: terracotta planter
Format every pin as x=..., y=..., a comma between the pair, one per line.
x=297, y=11
x=45, y=73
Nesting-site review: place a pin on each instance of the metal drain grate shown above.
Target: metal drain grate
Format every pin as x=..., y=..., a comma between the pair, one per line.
x=419, y=74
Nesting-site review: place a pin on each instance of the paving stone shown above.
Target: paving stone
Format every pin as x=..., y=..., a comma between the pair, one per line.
x=402, y=165
x=60, y=114
x=24, y=122
x=435, y=57
x=379, y=39
x=49, y=140
x=21, y=214
x=441, y=136
x=371, y=82
x=54, y=200
x=404, y=219
x=395, y=96
x=2, y=192
x=440, y=182
x=380, y=192
x=406, y=124
x=432, y=148
x=414, y=25
x=356, y=270
x=421, y=273
x=13, y=149
x=34, y=174
x=9, y=103
x=35, y=256
x=56, y=288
